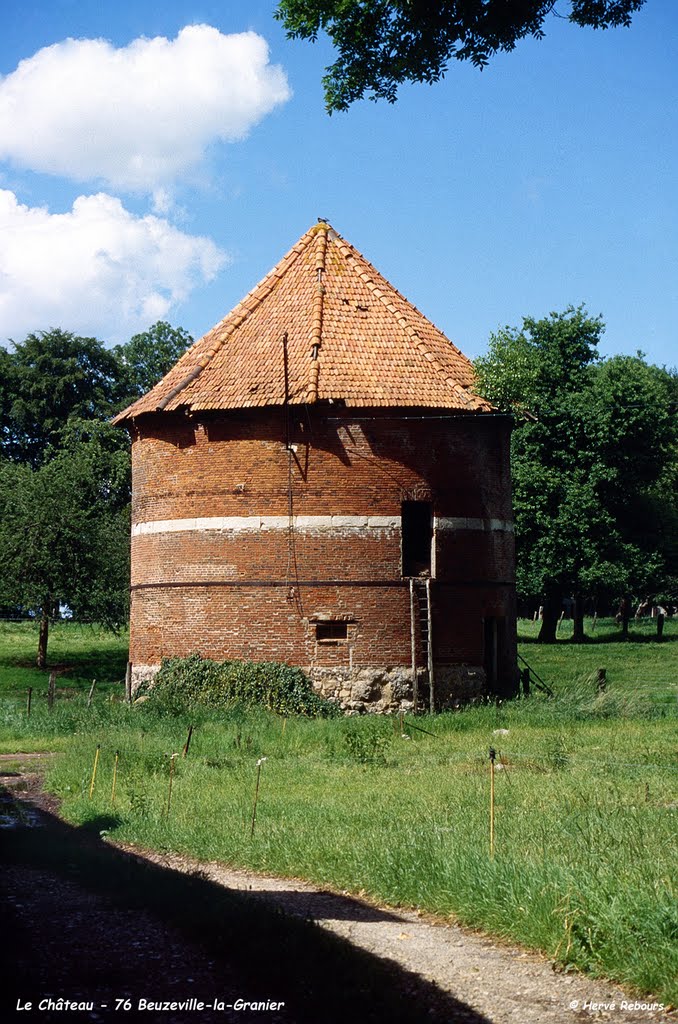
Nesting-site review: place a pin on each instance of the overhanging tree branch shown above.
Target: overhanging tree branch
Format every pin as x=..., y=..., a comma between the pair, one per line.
x=383, y=43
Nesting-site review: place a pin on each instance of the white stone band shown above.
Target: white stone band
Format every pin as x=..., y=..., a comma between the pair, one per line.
x=257, y=524
x=485, y=525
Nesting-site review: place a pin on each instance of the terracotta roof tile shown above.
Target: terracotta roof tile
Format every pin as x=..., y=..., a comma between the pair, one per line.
x=325, y=325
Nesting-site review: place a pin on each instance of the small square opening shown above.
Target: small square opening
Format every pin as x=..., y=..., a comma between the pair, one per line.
x=331, y=631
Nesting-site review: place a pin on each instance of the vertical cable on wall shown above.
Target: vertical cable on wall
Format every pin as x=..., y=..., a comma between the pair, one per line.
x=288, y=449
x=291, y=572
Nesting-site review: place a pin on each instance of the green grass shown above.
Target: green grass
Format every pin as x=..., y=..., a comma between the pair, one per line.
x=77, y=653
x=641, y=664
x=585, y=859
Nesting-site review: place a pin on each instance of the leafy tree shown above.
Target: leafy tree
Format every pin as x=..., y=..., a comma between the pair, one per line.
x=593, y=438
x=64, y=531
x=147, y=357
x=51, y=376
x=383, y=43
x=65, y=482
x=632, y=411
x=6, y=369
x=105, y=450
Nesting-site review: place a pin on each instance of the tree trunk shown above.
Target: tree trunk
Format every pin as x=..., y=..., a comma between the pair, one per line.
x=44, y=634
x=578, y=615
x=552, y=606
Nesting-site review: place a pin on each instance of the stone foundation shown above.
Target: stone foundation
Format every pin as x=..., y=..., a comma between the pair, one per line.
x=382, y=691
x=376, y=690
x=143, y=674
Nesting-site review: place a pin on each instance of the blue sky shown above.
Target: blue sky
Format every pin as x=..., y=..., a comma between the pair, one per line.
x=160, y=173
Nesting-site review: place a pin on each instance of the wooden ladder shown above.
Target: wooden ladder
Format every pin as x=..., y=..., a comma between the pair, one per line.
x=420, y=610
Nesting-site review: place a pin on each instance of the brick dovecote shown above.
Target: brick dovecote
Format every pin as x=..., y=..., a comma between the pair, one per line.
x=303, y=471
x=219, y=567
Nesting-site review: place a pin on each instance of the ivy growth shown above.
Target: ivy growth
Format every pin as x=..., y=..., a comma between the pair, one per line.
x=183, y=683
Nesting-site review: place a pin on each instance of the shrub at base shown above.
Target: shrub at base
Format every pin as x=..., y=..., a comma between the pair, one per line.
x=183, y=683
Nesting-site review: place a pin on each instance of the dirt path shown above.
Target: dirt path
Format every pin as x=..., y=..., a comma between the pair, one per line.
x=465, y=977
x=504, y=983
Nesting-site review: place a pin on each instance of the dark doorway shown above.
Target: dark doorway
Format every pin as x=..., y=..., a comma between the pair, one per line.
x=417, y=537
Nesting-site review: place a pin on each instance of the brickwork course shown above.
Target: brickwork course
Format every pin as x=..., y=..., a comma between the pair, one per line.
x=317, y=482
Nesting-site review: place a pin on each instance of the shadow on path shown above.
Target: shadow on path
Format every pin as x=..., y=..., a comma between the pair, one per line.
x=91, y=923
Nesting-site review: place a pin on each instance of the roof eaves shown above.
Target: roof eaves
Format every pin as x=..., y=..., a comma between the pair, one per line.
x=219, y=334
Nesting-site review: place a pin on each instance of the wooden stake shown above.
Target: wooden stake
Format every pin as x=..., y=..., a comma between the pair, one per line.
x=256, y=795
x=413, y=651
x=431, y=695
x=493, y=755
x=28, y=701
x=115, y=776
x=169, y=788
x=188, y=741
x=94, y=770
x=128, y=683
x=91, y=693
x=50, y=690
x=562, y=616
x=284, y=725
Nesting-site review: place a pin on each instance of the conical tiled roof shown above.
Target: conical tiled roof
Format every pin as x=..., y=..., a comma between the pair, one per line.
x=323, y=324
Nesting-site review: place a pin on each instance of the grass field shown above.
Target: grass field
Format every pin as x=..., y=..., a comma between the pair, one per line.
x=584, y=865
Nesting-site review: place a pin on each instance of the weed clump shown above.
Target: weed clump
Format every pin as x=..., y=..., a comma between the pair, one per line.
x=184, y=683
x=367, y=743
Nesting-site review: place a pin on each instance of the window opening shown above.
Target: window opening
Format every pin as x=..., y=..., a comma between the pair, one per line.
x=417, y=537
x=331, y=631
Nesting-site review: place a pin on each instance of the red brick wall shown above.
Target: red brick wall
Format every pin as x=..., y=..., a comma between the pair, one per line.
x=228, y=594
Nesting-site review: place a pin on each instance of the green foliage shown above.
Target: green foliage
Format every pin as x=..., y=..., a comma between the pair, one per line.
x=64, y=529
x=52, y=376
x=148, y=356
x=82, y=652
x=184, y=683
x=593, y=439
x=55, y=377
x=387, y=42
x=584, y=801
x=368, y=742
x=65, y=475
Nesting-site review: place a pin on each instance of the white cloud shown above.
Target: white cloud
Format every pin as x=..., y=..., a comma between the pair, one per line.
x=97, y=269
x=139, y=117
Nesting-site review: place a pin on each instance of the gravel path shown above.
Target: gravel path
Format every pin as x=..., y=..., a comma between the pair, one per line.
x=481, y=980
x=504, y=983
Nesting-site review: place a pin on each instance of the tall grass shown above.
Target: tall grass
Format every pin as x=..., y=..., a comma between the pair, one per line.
x=585, y=865
x=585, y=860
